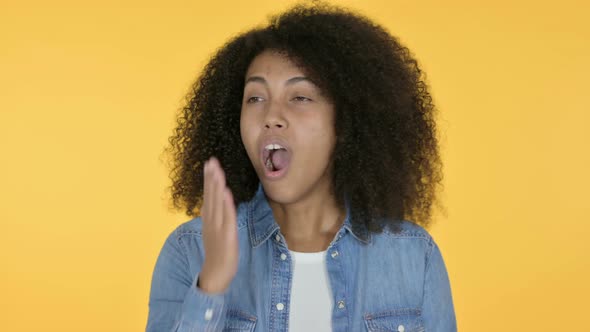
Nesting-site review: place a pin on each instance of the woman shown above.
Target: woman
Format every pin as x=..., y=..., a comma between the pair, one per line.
x=304, y=152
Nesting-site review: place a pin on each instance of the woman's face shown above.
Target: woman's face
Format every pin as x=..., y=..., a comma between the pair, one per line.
x=281, y=106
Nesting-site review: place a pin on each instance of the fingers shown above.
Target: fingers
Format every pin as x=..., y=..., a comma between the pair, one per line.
x=206, y=190
x=230, y=208
x=219, y=189
x=218, y=202
x=214, y=192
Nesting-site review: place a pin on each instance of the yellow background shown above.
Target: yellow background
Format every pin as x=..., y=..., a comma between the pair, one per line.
x=88, y=94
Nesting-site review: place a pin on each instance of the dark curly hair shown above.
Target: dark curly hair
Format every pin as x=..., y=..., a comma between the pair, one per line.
x=386, y=158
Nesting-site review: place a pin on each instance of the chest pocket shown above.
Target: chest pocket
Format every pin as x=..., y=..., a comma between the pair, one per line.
x=396, y=320
x=239, y=321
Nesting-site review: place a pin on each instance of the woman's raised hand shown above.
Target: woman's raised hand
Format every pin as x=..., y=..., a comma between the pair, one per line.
x=220, y=233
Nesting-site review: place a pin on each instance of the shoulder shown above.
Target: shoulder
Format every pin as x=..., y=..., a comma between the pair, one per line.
x=408, y=229
x=194, y=226
x=408, y=238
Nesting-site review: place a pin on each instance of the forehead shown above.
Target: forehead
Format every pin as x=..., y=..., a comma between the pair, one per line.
x=271, y=62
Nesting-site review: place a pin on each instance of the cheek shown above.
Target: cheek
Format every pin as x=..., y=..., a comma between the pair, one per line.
x=322, y=128
x=320, y=138
x=248, y=134
x=242, y=132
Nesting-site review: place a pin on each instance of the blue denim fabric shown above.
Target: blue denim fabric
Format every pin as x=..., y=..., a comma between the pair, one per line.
x=379, y=282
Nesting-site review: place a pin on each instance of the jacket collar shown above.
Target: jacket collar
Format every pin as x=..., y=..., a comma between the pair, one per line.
x=261, y=222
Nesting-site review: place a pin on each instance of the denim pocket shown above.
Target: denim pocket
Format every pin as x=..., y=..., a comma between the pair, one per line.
x=237, y=320
x=395, y=320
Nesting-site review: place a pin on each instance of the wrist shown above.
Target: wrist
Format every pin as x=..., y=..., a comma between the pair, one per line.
x=205, y=284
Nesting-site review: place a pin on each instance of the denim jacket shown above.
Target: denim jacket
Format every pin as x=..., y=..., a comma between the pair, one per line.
x=380, y=282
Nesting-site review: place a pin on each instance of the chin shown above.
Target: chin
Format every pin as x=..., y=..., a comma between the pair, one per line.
x=278, y=192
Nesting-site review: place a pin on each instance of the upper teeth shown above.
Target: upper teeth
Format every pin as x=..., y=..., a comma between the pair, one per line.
x=273, y=147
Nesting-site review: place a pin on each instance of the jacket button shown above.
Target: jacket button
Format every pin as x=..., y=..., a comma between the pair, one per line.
x=400, y=328
x=280, y=306
x=277, y=237
x=283, y=256
x=340, y=304
x=208, y=314
x=334, y=253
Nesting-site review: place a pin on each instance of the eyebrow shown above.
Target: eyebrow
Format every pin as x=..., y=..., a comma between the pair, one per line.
x=290, y=81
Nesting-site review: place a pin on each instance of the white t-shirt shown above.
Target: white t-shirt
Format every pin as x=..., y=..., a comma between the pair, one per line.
x=311, y=297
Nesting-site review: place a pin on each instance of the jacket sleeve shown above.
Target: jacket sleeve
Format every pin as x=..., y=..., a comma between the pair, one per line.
x=438, y=308
x=176, y=304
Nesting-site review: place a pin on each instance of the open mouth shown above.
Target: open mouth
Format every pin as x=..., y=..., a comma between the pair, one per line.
x=276, y=162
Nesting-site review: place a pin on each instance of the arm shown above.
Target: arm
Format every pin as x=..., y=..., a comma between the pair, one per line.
x=176, y=304
x=438, y=309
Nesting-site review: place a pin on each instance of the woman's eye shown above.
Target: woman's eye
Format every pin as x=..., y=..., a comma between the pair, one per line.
x=250, y=99
x=301, y=98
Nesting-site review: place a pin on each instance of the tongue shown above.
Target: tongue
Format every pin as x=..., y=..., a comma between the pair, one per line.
x=280, y=159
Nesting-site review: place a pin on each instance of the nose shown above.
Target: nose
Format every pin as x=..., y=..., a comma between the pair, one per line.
x=274, y=116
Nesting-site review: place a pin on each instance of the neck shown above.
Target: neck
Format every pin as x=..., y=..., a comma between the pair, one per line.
x=310, y=223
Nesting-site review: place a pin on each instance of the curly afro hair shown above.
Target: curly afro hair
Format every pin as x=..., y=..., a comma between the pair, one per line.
x=386, y=158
